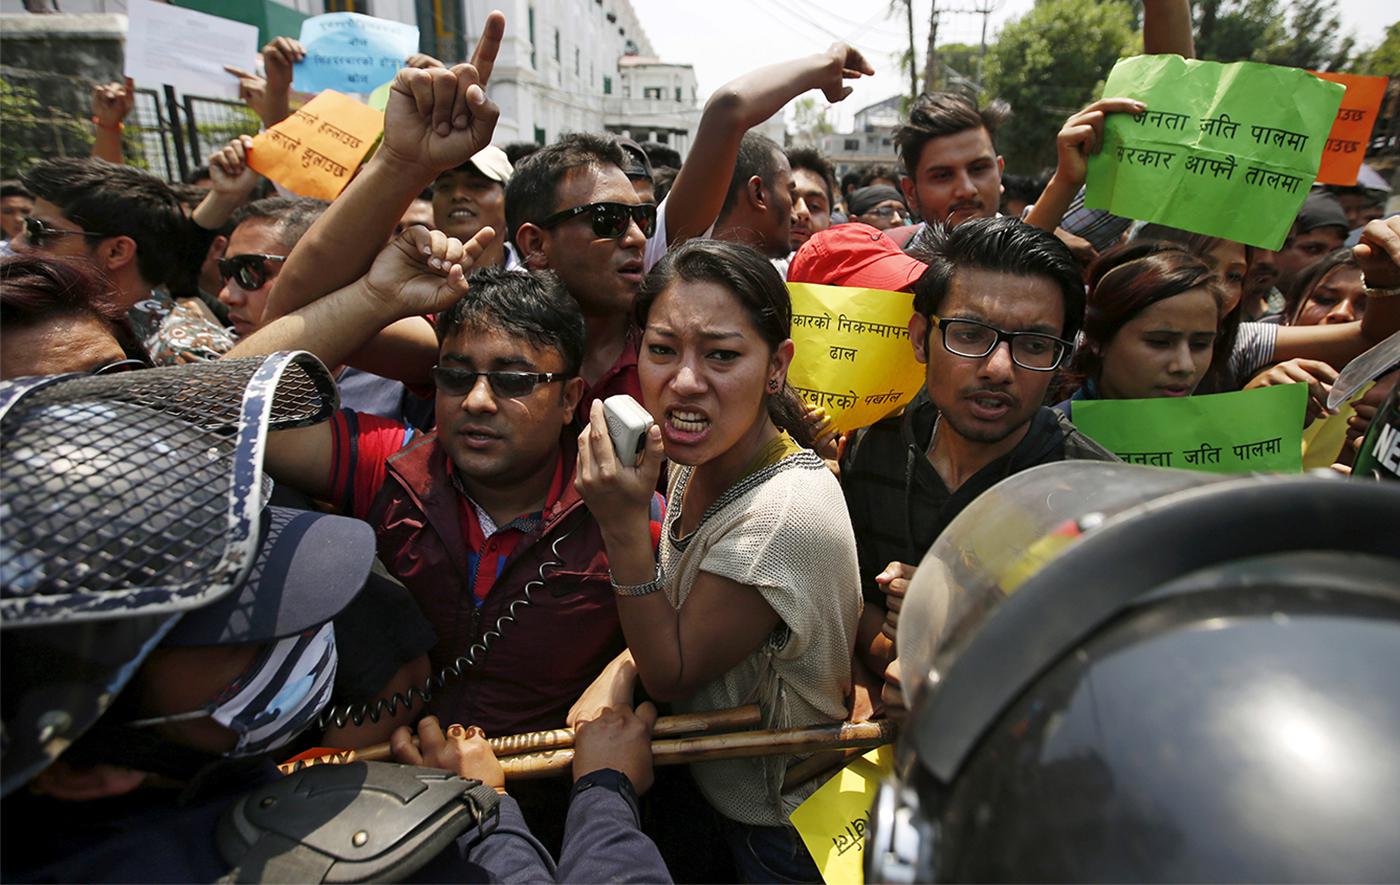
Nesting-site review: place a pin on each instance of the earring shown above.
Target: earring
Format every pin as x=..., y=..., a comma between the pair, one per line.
x=772, y=385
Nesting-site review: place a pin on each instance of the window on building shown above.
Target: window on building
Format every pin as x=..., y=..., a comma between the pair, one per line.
x=678, y=93
x=607, y=85
x=885, y=142
x=556, y=44
x=359, y=6
x=540, y=138
x=578, y=60
x=852, y=144
x=533, y=63
x=663, y=137
x=652, y=92
x=440, y=30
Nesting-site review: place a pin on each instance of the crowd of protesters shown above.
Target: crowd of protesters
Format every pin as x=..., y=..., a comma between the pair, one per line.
x=476, y=304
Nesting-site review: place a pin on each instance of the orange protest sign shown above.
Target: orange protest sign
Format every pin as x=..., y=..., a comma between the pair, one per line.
x=316, y=150
x=1346, y=145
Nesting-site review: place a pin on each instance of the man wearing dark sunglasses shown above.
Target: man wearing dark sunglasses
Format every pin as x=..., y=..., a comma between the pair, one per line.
x=130, y=227
x=571, y=209
x=264, y=233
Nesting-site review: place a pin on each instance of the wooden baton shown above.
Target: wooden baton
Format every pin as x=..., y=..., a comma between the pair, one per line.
x=677, y=751
x=556, y=738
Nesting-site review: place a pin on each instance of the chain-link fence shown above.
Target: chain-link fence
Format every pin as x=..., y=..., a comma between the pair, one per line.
x=46, y=114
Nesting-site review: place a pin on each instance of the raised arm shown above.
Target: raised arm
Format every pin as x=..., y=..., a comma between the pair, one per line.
x=736, y=107
x=232, y=181
x=270, y=97
x=1166, y=28
x=435, y=119
x=419, y=272
x=111, y=103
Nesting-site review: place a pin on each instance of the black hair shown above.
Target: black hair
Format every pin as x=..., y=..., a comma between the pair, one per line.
x=12, y=188
x=1003, y=245
x=662, y=155
x=107, y=198
x=938, y=114
x=759, y=289
x=662, y=177
x=1302, y=289
x=519, y=150
x=879, y=172
x=1025, y=188
x=812, y=160
x=530, y=304
x=198, y=173
x=35, y=287
x=758, y=155
x=533, y=192
x=292, y=217
x=849, y=182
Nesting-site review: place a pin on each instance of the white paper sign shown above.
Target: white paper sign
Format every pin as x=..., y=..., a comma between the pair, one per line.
x=186, y=49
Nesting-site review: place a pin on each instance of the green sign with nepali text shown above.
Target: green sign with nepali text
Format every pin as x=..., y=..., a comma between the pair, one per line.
x=1228, y=150
x=1244, y=432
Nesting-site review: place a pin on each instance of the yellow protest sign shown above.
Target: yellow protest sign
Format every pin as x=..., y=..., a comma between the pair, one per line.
x=835, y=820
x=1323, y=439
x=853, y=354
x=316, y=150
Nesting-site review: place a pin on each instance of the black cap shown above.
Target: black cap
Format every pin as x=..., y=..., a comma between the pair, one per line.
x=1320, y=210
x=638, y=166
x=867, y=198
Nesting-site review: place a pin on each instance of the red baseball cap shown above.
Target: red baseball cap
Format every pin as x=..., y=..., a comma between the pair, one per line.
x=855, y=255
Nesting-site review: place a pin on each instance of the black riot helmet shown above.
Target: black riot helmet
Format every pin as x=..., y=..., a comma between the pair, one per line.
x=1127, y=674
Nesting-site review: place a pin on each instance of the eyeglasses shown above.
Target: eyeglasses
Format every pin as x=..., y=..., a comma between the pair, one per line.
x=1029, y=350
x=510, y=385
x=610, y=220
x=248, y=271
x=36, y=232
x=886, y=212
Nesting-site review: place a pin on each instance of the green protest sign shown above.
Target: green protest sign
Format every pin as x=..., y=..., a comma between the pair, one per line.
x=1252, y=430
x=1228, y=150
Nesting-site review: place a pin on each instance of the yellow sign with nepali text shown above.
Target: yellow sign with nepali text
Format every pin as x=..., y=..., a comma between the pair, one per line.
x=853, y=354
x=316, y=150
x=834, y=822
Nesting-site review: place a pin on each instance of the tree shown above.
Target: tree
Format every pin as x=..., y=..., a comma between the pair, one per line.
x=1384, y=60
x=957, y=67
x=1047, y=65
x=1297, y=33
x=809, y=121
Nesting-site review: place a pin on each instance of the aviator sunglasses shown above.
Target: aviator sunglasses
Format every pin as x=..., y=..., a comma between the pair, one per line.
x=610, y=220
x=248, y=271
x=508, y=385
x=36, y=232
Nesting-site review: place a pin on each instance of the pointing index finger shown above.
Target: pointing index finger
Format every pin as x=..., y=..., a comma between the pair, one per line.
x=484, y=56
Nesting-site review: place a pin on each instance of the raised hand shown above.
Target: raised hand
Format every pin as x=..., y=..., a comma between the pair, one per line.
x=1378, y=253
x=1082, y=135
x=437, y=118
x=229, y=170
x=112, y=102
x=846, y=64
x=422, y=271
x=279, y=56
x=422, y=60
x=894, y=580
x=617, y=494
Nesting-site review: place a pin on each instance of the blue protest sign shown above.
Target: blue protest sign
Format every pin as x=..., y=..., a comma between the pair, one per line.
x=349, y=52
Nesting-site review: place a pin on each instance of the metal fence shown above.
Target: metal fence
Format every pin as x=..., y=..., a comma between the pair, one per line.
x=45, y=114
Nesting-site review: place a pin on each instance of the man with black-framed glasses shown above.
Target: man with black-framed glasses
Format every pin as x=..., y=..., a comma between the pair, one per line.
x=995, y=314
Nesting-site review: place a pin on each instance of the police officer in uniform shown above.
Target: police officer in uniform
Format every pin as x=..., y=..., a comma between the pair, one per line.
x=1149, y=675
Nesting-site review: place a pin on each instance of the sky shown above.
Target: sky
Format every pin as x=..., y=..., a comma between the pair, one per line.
x=726, y=38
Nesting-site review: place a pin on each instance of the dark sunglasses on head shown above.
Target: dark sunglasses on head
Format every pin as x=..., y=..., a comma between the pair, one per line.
x=120, y=366
x=460, y=382
x=37, y=232
x=248, y=271
x=610, y=220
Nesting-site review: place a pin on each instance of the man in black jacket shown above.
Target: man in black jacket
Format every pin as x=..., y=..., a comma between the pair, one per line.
x=994, y=315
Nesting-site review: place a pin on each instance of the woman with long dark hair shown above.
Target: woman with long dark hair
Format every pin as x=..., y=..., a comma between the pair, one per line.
x=755, y=595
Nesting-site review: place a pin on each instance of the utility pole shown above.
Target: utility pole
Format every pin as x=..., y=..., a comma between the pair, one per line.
x=985, y=11
x=931, y=53
x=913, y=53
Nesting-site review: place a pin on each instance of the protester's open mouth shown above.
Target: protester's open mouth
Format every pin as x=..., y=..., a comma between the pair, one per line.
x=686, y=426
x=461, y=214
x=478, y=437
x=989, y=406
x=630, y=271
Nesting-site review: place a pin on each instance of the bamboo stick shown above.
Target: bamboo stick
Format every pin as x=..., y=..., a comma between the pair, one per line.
x=557, y=738
x=677, y=751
